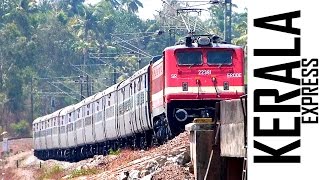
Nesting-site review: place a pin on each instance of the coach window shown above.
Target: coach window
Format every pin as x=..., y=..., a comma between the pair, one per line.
x=139, y=83
x=189, y=58
x=219, y=57
x=88, y=107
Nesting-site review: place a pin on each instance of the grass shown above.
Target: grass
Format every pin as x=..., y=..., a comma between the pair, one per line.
x=114, y=152
x=83, y=172
x=51, y=173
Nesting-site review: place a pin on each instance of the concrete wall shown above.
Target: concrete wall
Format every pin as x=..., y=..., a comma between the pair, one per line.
x=232, y=129
x=201, y=146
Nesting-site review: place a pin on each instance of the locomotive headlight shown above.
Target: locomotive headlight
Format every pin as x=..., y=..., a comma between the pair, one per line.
x=184, y=86
x=181, y=115
x=214, y=80
x=225, y=85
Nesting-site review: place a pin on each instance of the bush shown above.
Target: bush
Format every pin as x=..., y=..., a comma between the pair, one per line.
x=21, y=128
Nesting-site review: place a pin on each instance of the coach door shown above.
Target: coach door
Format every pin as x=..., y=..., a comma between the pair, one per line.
x=139, y=99
x=133, y=119
x=122, y=111
x=98, y=120
x=110, y=117
x=127, y=109
x=145, y=102
x=88, y=124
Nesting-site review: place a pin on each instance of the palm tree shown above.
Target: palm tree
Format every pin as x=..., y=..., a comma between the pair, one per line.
x=132, y=5
x=114, y=3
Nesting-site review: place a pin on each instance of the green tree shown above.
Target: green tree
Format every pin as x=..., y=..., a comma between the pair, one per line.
x=21, y=128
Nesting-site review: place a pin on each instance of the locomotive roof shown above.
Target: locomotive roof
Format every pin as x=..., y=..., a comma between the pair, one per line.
x=195, y=45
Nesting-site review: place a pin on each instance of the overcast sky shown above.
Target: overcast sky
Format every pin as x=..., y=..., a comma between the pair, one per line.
x=150, y=7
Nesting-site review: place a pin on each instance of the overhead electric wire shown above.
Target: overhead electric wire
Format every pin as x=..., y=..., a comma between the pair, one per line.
x=200, y=27
x=62, y=91
x=87, y=75
x=173, y=17
x=53, y=93
x=139, y=50
x=110, y=57
x=198, y=5
x=132, y=33
x=62, y=77
x=137, y=38
x=62, y=83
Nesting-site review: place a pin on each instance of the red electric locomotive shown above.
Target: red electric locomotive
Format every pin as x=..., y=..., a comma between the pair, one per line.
x=190, y=78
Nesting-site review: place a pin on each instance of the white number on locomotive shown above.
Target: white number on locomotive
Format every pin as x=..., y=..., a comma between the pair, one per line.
x=234, y=75
x=204, y=72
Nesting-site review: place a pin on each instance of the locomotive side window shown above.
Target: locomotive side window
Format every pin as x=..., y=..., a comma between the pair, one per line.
x=220, y=57
x=189, y=58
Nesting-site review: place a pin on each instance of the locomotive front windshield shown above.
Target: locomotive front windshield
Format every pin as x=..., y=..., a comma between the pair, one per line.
x=189, y=58
x=219, y=57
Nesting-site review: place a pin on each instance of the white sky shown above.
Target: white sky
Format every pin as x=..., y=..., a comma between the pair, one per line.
x=150, y=7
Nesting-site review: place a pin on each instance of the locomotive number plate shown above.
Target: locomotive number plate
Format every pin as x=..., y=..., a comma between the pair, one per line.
x=204, y=72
